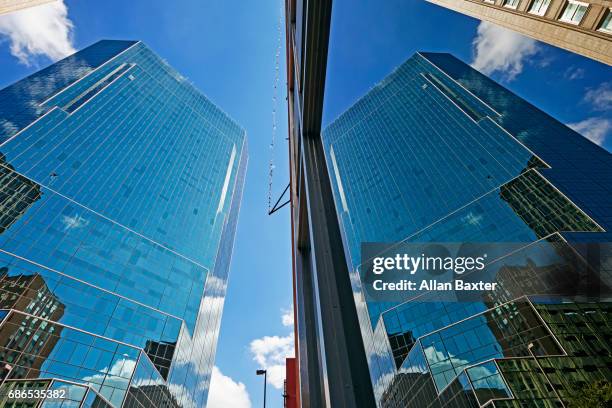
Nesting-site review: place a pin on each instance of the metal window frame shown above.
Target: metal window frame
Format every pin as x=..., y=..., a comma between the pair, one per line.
x=331, y=355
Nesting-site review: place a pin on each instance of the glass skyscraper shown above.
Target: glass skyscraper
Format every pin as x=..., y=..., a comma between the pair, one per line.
x=120, y=187
x=438, y=152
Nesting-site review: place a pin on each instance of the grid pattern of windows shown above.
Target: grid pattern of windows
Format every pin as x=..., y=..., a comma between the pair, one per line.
x=461, y=154
x=437, y=152
x=583, y=331
x=120, y=186
x=22, y=102
x=40, y=349
x=75, y=396
x=25, y=287
x=518, y=376
x=504, y=331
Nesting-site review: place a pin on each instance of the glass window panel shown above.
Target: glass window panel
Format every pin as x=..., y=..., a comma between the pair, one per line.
x=606, y=24
x=539, y=7
x=574, y=11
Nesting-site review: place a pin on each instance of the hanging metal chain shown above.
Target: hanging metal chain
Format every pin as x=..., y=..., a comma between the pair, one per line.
x=272, y=164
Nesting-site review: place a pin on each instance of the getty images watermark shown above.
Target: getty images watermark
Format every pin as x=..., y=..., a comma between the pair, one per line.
x=493, y=272
x=412, y=264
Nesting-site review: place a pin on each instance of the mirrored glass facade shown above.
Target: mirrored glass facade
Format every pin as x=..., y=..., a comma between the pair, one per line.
x=120, y=187
x=437, y=152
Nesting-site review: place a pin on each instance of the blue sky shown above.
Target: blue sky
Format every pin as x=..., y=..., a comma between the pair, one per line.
x=227, y=50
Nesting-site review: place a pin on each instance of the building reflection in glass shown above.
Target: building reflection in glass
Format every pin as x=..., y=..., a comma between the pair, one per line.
x=437, y=152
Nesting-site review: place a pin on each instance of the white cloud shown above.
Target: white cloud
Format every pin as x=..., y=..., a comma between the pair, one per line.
x=573, y=73
x=287, y=317
x=74, y=222
x=382, y=384
x=225, y=392
x=471, y=218
x=600, y=97
x=195, y=355
x=116, y=376
x=216, y=286
x=497, y=49
x=8, y=127
x=594, y=129
x=270, y=353
x=43, y=30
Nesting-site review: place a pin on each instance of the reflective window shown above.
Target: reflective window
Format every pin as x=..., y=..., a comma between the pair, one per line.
x=118, y=208
x=511, y=3
x=606, y=24
x=421, y=147
x=539, y=7
x=573, y=12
